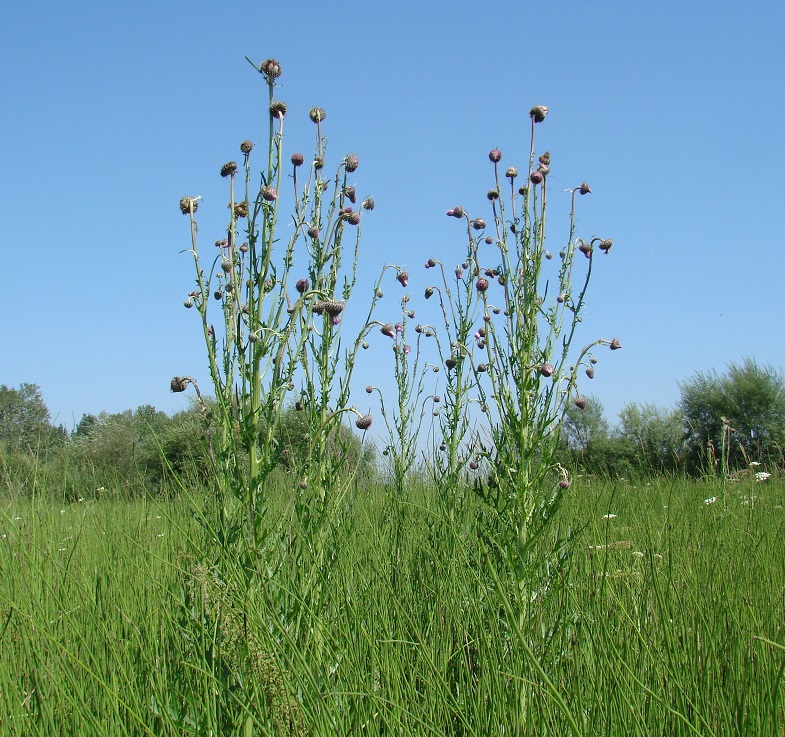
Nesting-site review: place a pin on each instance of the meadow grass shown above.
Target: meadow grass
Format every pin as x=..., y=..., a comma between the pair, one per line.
x=662, y=615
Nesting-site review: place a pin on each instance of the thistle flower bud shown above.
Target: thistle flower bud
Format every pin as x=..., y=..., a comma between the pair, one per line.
x=590, y=372
x=318, y=163
x=368, y=203
x=482, y=284
x=317, y=114
x=495, y=156
x=615, y=344
x=269, y=194
x=179, y=384
x=585, y=249
x=564, y=484
x=585, y=188
x=303, y=285
x=217, y=294
x=482, y=367
x=246, y=147
x=546, y=370
x=188, y=205
x=313, y=232
x=277, y=109
x=536, y=177
x=229, y=169
x=244, y=247
x=450, y=363
x=457, y=211
x=241, y=210
x=351, y=194
x=538, y=113
x=298, y=159
x=351, y=162
x=581, y=403
x=188, y=303
x=403, y=278
x=474, y=465
x=369, y=389
x=478, y=224
x=364, y=422
x=270, y=68
x=606, y=246
x=511, y=173
x=493, y=194
x=388, y=330
x=430, y=263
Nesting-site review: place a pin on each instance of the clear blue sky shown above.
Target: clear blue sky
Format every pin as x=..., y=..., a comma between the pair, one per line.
x=110, y=112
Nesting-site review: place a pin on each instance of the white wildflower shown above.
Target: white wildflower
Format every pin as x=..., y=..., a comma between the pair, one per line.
x=710, y=500
x=609, y=516
x=762, y=476
x=754, y=464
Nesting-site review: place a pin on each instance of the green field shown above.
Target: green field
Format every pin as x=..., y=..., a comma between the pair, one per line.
x=658, y=614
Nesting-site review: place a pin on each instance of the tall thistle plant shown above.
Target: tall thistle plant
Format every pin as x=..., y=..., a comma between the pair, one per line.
x=271, y=315
x=511, y=310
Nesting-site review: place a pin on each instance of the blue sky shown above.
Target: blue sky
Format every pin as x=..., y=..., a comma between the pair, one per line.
x=110, y=112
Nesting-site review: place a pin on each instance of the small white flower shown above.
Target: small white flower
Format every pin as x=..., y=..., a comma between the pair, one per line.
x=17, y=518
x=710, y=500
x=754, y=464
x=62, y=511
x=638, y=554
x=609, y=516
x=762, y=476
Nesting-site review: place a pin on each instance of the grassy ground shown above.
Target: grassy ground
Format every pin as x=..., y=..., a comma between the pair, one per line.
x=663, y=615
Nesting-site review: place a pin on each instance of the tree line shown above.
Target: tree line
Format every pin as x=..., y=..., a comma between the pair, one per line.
x=723, y=422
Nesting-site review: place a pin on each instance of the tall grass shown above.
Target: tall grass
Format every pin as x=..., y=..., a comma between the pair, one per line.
x=665, y=618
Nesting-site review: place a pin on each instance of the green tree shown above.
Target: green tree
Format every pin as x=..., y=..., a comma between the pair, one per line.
x=736, y=417
x=24, y=418
x=651, y=437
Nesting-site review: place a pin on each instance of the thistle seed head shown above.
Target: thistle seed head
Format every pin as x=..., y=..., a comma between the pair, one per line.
x=229, y=169
x=351, y=162
x=538, y=113
x=270, y=68
x=188, y=205
x=179, y=384
x=246, y=147
x=277, y=109
x=511, y=173
x=317, y=114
